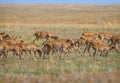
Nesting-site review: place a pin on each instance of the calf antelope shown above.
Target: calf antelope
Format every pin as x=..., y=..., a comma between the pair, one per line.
x=44, y=35
x=102, y=49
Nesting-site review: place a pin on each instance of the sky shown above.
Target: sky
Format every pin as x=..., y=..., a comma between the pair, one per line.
x=59, y=1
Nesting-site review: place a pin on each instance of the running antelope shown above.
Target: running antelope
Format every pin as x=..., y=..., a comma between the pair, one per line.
x=44, y=35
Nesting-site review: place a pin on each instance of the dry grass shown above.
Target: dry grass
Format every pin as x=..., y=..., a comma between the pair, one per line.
x=60, y=14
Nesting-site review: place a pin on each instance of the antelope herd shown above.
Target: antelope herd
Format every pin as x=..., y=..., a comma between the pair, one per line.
x=102, y=42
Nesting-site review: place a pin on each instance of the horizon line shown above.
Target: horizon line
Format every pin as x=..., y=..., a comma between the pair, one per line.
x=61, y=3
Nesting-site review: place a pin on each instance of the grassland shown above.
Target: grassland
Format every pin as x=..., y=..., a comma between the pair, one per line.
x=66, y=21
